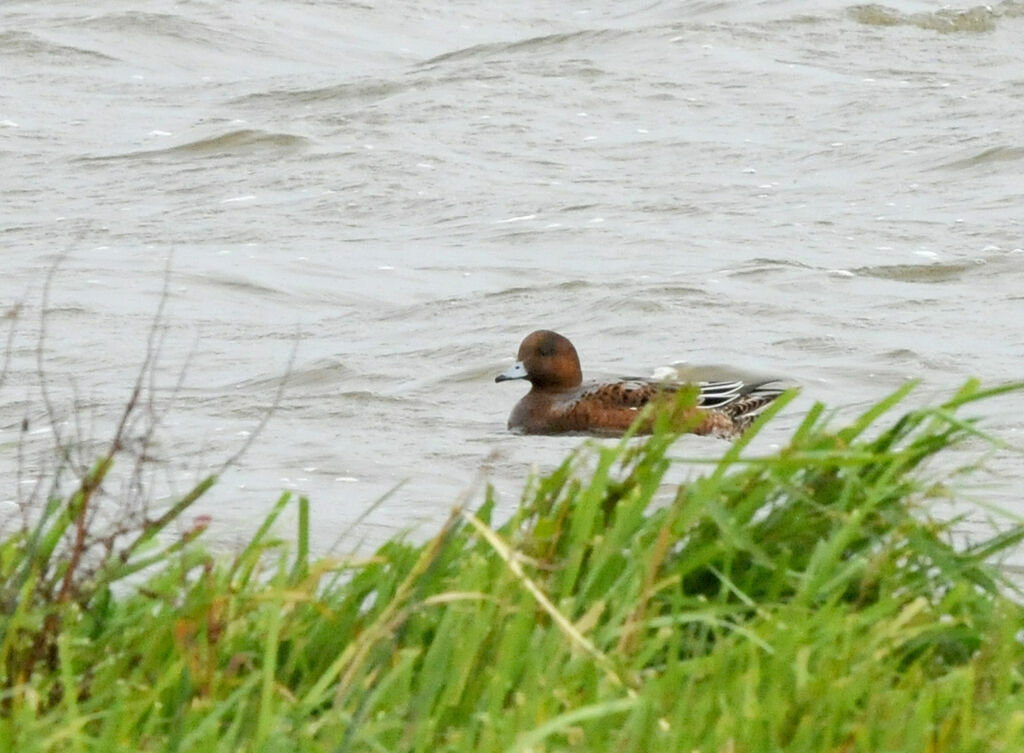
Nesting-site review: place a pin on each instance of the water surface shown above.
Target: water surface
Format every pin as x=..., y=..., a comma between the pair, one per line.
x=826, y=191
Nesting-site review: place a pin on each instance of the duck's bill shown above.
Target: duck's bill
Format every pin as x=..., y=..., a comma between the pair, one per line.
x=518, y=371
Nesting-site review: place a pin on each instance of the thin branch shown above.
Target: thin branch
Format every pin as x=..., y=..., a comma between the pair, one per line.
x=92, y=481
x=278, y=394
x=13, y=314
x=40, y=369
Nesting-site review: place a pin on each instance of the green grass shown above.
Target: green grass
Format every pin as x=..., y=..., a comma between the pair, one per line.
x=803, y=601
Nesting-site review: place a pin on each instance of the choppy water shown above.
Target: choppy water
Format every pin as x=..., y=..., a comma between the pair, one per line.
x=827, y=191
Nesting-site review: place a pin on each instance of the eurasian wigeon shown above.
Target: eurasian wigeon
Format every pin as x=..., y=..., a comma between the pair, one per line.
x=560, y=403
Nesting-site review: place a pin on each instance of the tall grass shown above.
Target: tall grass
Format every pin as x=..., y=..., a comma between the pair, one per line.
x=799, y=601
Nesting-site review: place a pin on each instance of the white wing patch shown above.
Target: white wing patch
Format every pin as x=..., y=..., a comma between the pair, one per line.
x=718, y=394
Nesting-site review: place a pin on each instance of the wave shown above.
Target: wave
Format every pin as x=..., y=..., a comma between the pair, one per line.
x=243, y=141
x=976, y=20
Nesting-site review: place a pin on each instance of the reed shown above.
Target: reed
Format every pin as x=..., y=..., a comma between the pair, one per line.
x=799, y=601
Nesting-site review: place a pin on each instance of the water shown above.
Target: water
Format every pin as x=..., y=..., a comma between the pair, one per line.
x=827, y=191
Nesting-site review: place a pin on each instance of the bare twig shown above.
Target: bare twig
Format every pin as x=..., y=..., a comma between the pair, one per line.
x=278, y=394
x=13, y=315
x=44, y=309
x=86, y=548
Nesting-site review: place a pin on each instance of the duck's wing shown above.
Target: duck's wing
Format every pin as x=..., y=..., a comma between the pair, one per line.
x=601, y=408
x=611, y=407
x=630, y=393
x=636, y=392
x=741, y=401
x=720, y=394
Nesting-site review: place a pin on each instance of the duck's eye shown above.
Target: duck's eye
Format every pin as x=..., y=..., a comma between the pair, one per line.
x=547, y=349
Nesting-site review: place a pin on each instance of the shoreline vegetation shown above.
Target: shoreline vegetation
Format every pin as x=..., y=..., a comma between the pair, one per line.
x=800, y=601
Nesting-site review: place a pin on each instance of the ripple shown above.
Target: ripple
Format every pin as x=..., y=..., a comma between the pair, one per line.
x=762, y=267
x=21, y=44
x=923, y=273
x=362, y=92
x=994, y=154
x=243, y=141
x=173, y=26
x=821, y=344
x=947, y=20
x=531, y=44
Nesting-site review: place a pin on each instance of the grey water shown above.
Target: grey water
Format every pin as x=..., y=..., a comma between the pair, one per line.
x=378, y=202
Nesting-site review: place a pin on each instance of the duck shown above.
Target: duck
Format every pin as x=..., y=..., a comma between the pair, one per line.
x=560, y=402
